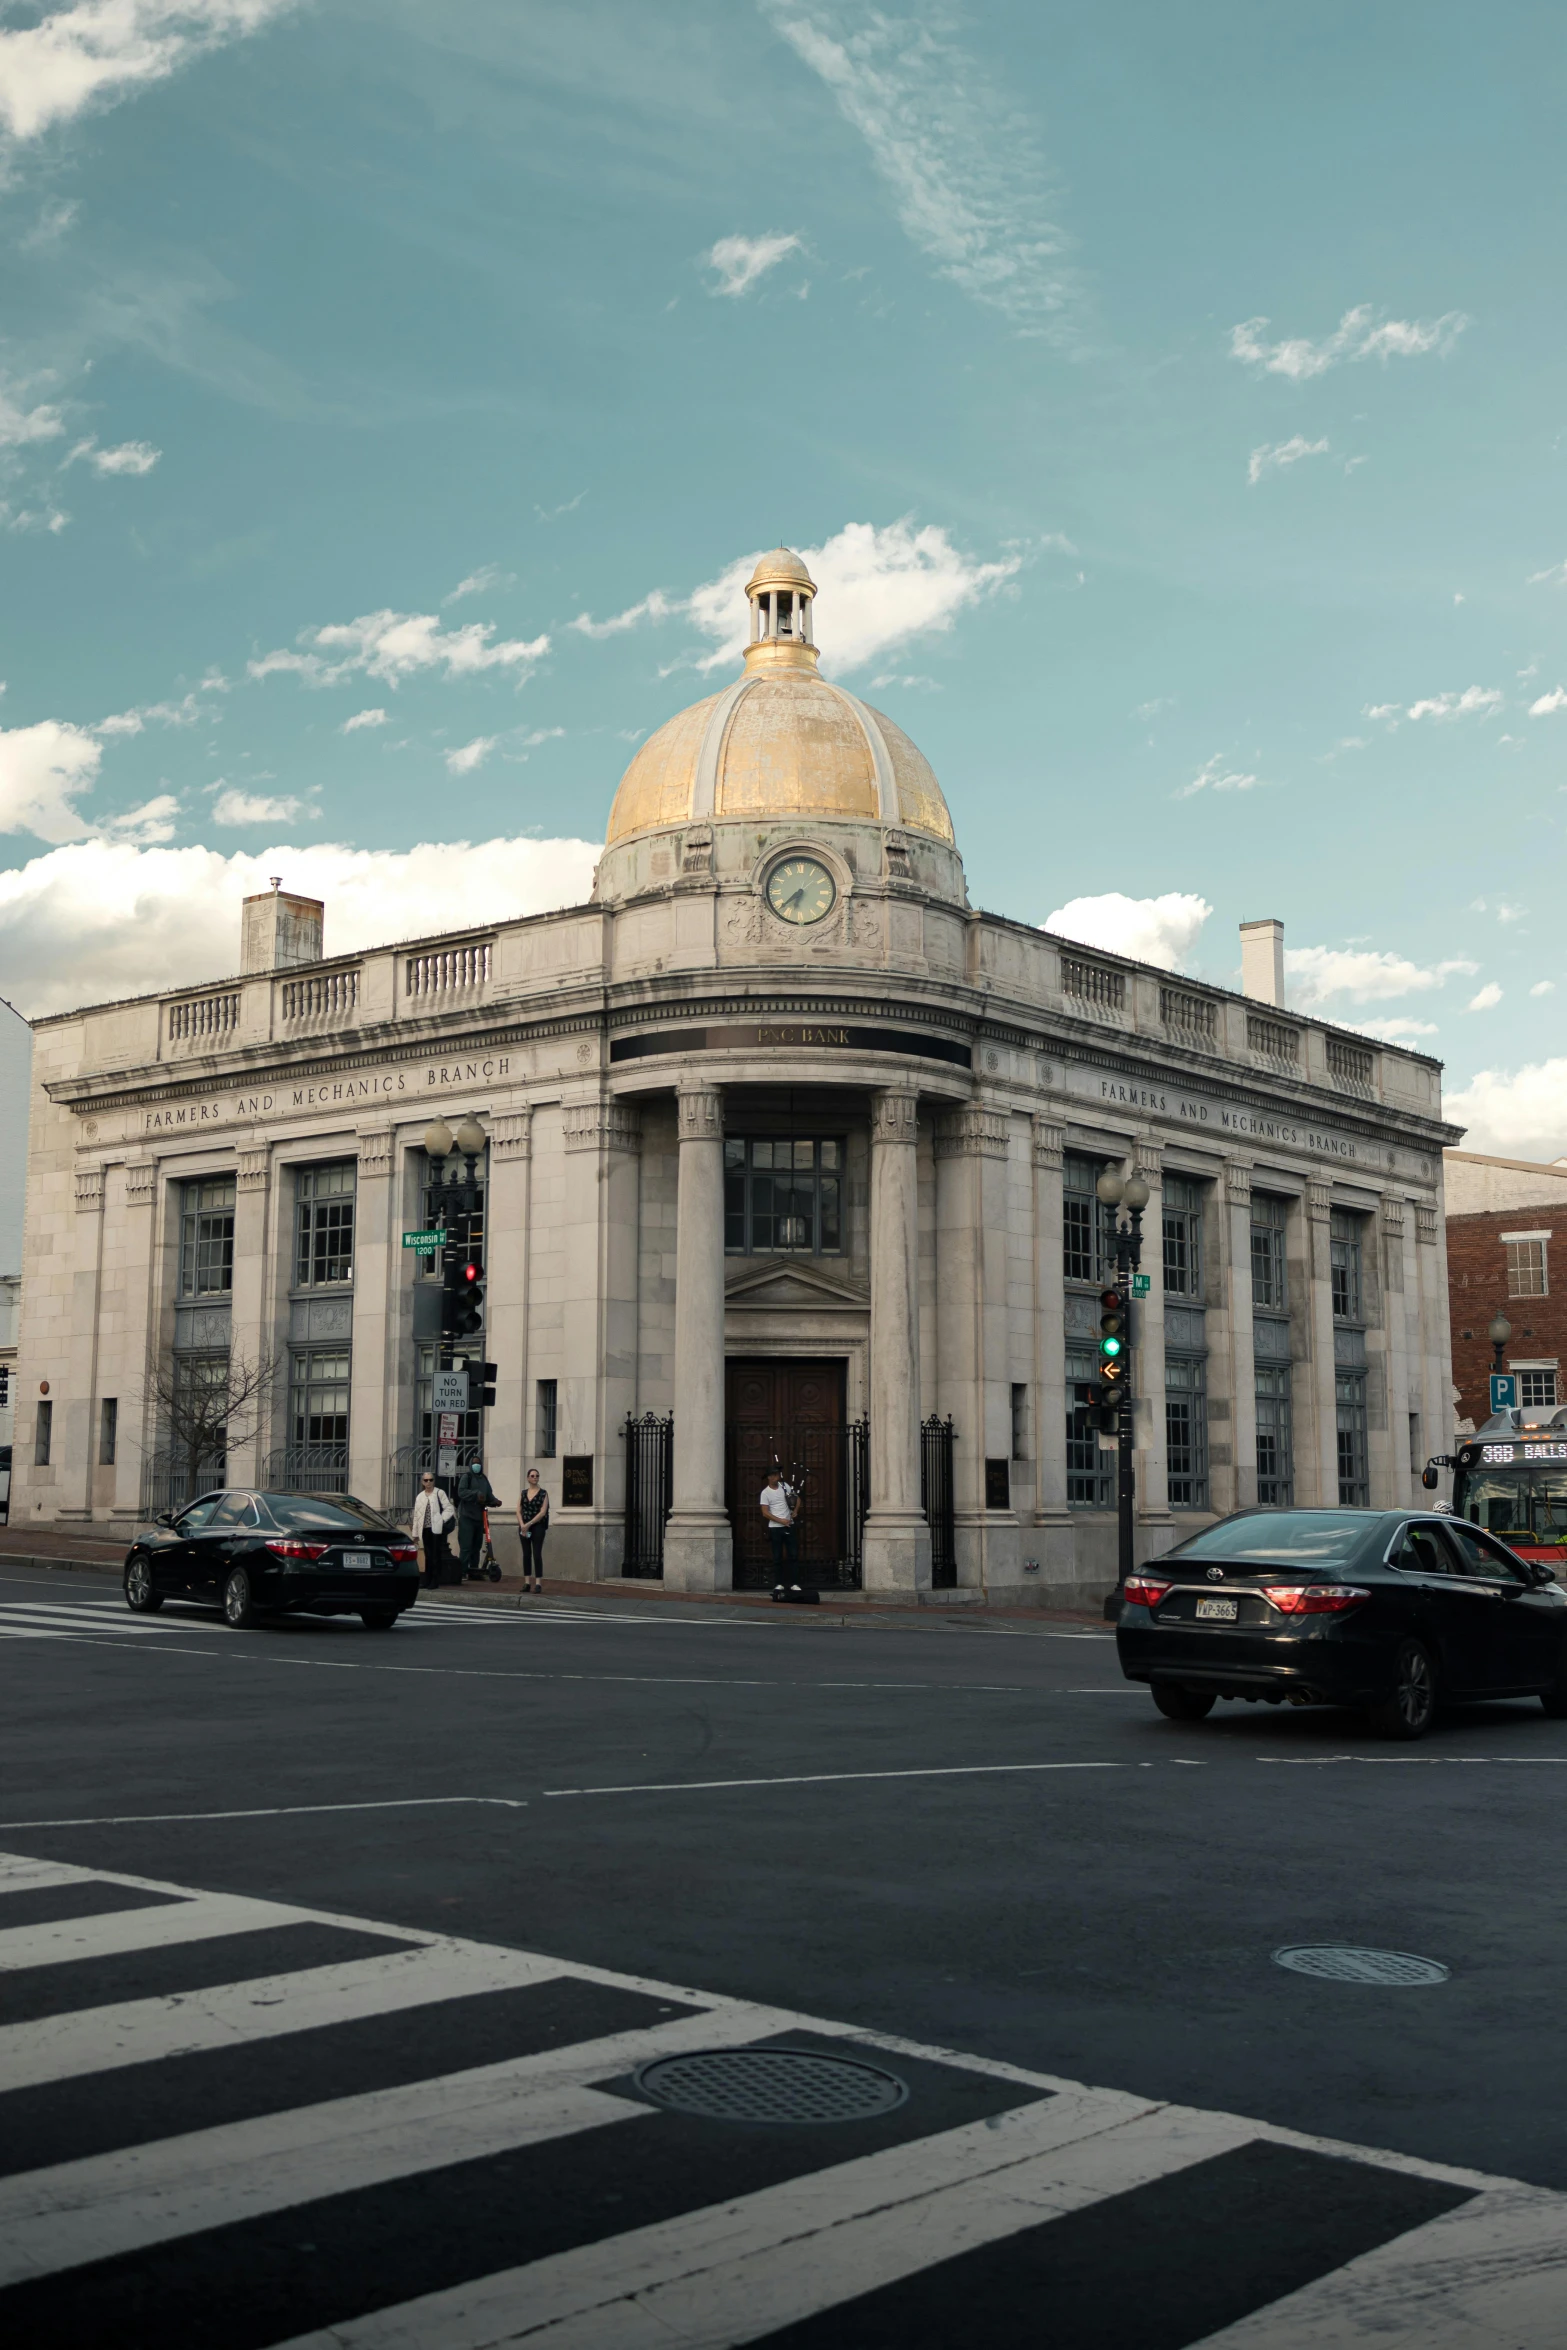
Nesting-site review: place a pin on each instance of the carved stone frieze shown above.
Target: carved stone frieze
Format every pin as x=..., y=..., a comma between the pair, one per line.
x=894, y=1116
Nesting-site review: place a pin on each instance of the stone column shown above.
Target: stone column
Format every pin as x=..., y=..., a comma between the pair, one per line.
x=1049, y=1330
x=374, y=1367
x=897, y=1539
x=507, y=1221
x=1316, y=1454
x=253, y=1334
x=75, y=1445
x=1151, y=1462
x=138, y=1433
x=602, y=1140
x=1235, y=1278
x=1439, y=1410
x=1390, y=1480
x=698, y=1542
x=971, y=1327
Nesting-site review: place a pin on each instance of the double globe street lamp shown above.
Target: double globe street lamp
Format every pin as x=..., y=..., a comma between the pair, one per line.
x=1128, y=1192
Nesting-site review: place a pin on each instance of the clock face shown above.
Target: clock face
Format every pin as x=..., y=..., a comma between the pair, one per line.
x=801, y=890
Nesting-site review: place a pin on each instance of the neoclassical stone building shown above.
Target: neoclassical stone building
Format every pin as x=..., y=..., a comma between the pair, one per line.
x=789, y=1150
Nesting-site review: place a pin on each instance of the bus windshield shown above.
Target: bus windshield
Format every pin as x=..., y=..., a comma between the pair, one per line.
x=1530, y=1507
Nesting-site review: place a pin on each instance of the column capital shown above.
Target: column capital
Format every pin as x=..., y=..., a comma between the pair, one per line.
x=89, y=1189
x=1392, y=1213
x=1237, y=1182
x=375, y=1151
x=1319, y=1200
x=511, y=1135
x=141, y=1182
x=1147, y=1157
x=699, y=1111
x=1425, y=1223
x=972, y=1132
x=255, y=1168
x=611, y=1125
x=895, y=1115
x=1049, y=1143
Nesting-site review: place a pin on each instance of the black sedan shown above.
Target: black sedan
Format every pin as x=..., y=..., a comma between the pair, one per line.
x=255, y=1554
x=1389, y=1611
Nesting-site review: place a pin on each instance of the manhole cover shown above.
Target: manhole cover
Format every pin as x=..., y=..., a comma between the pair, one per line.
x=770, y=2085
x=1338, y=1962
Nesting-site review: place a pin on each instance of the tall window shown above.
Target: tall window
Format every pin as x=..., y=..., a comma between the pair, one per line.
x=1186, y=1431
x=43, y=1435
x=207, y=1238
x=1354, y=1483
x=782, y=1193
x=1087, y=1225
x=318, y=1379
x=1089, y=1472
x=1536, y=1388
x=548, y=1396
x=1182, y=1237
x=324, y=1211
x=1344, y=1264
x=1275, y=1436
x=1526, y=1274
x=108, y=1430
x=436, y=1195
x=1269, y=1266
x=1019, y=1422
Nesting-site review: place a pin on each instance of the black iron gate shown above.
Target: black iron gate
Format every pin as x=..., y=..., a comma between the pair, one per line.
x=827, y=1464
x=650, y=1488
x=936, y=1441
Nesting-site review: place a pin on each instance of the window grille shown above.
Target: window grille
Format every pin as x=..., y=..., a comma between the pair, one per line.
x=1186, y=1432
x=1344, y=1254
x=448, y=969
x=207, y=1238
x=316, y=1455
x=203, y=1015
x=1354, y=1484
x=43, y=1436
x=1275, y=1436
x=1272, y=1037
x=1189, y=1015
x=1526, y=1272
x=324, y=1209
x=1087, y=1225
x=1536, y=1388
x=324, y=995
x=108, y=1430
x=1093, y=983
x=1269, y=1264
x=1352, y=1062
x=1182, y=1237
x=1090, y=1473
x=783, y=1194
x=548, y=1393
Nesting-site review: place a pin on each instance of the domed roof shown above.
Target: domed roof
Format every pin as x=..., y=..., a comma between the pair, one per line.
x=782, y=568
x=779, y=742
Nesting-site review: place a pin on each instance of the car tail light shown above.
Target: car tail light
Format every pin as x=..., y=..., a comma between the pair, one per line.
x=1146, y=1590
x=1313, y=1599
x=282, y=1549
x=400, y=1558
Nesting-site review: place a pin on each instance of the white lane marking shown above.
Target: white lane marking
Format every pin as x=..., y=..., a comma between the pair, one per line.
x=731, y=2271
x=197, y=1917
x=1491, y=2275
x=19, y=1872
x=1316, y=1761
x=834, y=1778
x=276, y=1811
x=143, y=2031
x=115, y=2203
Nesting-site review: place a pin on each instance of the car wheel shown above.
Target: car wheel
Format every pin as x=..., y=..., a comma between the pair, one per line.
x=139, y=1591
x=378, y=1619
x=1411, y=1709
x=1182, y=1705
x=239, y=1607
x=1554, y=1699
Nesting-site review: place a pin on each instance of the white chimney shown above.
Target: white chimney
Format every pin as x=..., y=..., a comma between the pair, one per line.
x=278, y=930
x=1262, y=961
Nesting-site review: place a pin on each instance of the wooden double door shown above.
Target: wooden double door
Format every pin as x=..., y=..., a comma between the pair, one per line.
x=788, y=1411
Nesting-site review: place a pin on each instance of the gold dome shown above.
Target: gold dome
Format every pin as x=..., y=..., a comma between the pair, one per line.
x=782, y=568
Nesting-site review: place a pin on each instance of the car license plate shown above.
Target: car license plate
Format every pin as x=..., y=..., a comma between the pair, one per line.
x=365, y=1559
x=1218, y=1611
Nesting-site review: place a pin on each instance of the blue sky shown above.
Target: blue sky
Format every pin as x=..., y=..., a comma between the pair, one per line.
x=1172, y=402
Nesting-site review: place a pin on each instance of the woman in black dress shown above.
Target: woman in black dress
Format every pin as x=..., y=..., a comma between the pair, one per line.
x=533, y=1517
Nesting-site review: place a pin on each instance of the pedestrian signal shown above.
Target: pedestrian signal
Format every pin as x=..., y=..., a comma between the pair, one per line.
x=481, y=1386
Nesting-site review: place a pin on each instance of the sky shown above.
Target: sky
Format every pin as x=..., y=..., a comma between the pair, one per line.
x=1171, y=406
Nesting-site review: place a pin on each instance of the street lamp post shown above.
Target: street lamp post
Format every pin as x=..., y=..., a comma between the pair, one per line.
x=1131, y=1193
x=1499, y=1332
x=456, y=1193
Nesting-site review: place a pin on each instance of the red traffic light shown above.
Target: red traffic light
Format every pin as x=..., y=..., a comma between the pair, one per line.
x=470, y=1273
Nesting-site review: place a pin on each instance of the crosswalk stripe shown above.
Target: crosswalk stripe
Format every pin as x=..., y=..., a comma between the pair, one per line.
x=198, y=1918
x=114, y=2203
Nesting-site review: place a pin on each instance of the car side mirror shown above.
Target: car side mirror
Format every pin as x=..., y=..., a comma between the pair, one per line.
x=1428, y=1477
x=1540, y=1574
x=164, y=1518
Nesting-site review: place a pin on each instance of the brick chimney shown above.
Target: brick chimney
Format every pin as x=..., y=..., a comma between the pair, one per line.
x=1262, y=961
x=279, y=931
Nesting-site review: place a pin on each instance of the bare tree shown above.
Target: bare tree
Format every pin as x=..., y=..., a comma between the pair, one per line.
x=202, y=1404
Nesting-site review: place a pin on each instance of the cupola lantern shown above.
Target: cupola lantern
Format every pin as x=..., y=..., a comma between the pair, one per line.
x=782, y=592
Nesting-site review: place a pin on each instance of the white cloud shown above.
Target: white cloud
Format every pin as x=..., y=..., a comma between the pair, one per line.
x=1161, y=931
x=478, y=583
x=397, y=645
x=188, y=711
x=654, y=606
x=237, y=806
x=127, y=457
x=1556, y=576
x=362, y=719
x=146, y=826
x=1363, y=975
x=1394, y=1030
x=21, y=426
x=1486, y=998
x=102, y=918
x=1481, y=698
x=471, y=755
x=1543, y=987
x=1556, y=699
x=42, y=769
x=1209, y=778
x=961, y=165
x=1358, y=335
x=101, y=50
x=1517, y=1113
x=737, y=262
x=1283, y=454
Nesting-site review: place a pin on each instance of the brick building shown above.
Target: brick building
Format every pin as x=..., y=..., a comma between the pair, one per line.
x=1503, y=1217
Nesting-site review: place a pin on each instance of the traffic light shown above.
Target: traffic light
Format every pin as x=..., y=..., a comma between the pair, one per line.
x=481, y=1386
x=454, y=1259
x=470, y=1293
x=1111, y=1388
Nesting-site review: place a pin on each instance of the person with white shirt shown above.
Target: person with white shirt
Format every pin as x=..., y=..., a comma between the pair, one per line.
x=778, y=1510
x=433, y=1519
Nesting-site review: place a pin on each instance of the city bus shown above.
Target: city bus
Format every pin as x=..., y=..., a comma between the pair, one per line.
x=1511, y=1477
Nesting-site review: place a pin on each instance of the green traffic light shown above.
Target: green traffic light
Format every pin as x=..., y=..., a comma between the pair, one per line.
x=1109, y=1345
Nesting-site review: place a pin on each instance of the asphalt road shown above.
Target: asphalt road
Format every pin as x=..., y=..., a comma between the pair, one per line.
x=974, y=1838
